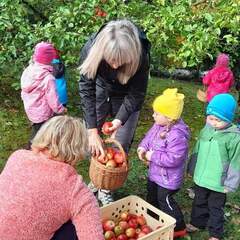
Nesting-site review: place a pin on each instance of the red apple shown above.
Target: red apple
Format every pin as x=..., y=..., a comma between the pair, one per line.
x=122, y=237
x=133, y=223
x=105, y=128
x=108, y=235
x=131, y=216
x=119, y=157
x=111, y=164
x=146, y=229
x=141, y=220
x=110, y=153
x=123, y=224
x=108, y=225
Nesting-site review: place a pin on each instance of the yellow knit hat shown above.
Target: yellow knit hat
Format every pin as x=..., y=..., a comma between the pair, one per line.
x=169, y=104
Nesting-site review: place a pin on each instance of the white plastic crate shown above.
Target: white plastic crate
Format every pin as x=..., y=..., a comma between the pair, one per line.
x=154, y=217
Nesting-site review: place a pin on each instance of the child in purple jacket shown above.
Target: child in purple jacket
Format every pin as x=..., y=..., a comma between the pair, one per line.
x=165, y=149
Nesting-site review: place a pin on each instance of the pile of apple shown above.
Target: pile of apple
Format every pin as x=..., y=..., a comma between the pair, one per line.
x=128, y=227
x=113, y=157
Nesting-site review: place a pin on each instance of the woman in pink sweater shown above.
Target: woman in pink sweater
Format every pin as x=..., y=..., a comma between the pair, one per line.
x=220, y=78
x=38, y=86
x=41, y=195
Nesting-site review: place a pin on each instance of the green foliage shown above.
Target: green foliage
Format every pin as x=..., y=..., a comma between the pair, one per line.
x=183, y=33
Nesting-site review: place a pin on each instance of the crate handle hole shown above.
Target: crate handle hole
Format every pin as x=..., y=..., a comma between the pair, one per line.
x=153, y=214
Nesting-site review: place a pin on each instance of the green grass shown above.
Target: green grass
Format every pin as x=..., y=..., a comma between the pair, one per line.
x=15, y=129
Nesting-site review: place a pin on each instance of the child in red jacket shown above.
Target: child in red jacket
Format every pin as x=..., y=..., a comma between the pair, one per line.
x=220, y=78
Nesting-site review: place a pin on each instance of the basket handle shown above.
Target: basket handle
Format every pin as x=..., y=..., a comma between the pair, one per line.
x=118, y=144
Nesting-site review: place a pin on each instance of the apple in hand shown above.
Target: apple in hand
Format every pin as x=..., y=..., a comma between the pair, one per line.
x=105, y=128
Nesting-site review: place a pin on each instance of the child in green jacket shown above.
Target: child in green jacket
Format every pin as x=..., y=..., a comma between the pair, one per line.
x=215, y=166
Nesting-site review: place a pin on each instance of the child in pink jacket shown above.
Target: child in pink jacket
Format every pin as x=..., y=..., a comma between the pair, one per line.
x=38, y=86
x=42, y=197
x=220, y=78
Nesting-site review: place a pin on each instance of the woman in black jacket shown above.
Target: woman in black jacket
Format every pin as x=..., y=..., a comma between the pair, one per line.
x=114, y=76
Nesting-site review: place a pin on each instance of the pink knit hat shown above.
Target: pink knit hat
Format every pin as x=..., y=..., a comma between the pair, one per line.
x=44, y=53
x=222, y=60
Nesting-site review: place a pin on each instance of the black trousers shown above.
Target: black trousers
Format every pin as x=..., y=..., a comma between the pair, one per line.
x=66, y=232
x=162, y=199
x=208, y=210
x=35, y=129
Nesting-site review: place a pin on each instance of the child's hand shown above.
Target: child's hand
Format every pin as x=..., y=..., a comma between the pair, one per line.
x=141, y=153
x=149, y=155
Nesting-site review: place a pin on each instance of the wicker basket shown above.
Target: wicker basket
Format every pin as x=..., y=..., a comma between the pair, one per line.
x=106, y=178
x=201, y=95
x=154, y=217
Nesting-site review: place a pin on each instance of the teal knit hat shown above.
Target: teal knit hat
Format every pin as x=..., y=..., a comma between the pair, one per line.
x=223, y=106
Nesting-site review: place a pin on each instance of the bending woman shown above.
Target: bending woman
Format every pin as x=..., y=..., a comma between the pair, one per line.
x=114, y=76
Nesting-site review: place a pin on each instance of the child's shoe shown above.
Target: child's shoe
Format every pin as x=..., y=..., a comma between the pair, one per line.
x=105, y=197
x=180, y=233
x=191, y=229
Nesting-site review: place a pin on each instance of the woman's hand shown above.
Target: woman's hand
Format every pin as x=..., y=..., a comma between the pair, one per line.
x=116, y=124
x=95, y=143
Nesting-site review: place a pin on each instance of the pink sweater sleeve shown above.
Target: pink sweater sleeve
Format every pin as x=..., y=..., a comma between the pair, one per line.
x=86, y=213
x=52, y=97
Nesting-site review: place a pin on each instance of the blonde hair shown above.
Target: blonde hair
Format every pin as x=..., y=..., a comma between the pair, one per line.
x=64, y=137
x=117, y=42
